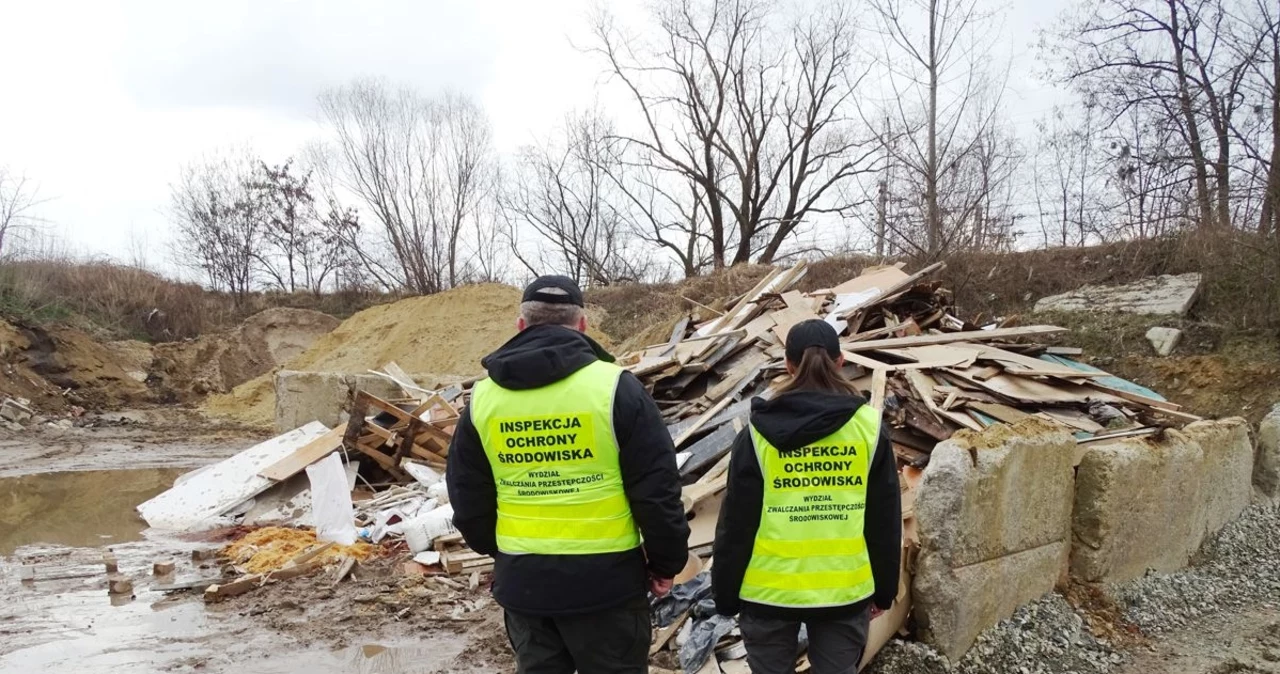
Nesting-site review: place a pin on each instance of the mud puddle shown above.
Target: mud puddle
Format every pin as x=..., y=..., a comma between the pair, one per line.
x=77, y=509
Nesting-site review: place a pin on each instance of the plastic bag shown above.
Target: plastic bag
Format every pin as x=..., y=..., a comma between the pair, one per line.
x=682, y=597
x=331, y=508
x=420, y=531
x=702, y=641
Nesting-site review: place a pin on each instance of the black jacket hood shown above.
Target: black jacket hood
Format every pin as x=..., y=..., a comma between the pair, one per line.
x=798, y=418
x=542, y=355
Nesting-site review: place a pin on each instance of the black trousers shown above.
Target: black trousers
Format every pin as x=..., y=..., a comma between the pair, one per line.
x=615, y=641
x=835, y=646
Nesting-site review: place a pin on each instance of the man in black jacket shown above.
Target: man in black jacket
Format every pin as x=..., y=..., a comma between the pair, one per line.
x=558, y=466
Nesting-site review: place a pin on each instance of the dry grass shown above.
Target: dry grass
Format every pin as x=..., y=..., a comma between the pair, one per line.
x=115, y=301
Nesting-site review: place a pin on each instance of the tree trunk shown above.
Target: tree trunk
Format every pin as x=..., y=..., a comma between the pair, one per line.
x=882, y=218
x=1269, y=224
x=1203, y=200
x=931, y=171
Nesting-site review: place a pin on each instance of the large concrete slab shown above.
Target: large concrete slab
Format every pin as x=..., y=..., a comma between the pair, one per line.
x=1157, y=295
x=1266, y=469
x=1146, y=503
x=994, y=517
x=303, y=397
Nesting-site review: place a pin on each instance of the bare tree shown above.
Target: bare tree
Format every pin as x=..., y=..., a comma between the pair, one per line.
x=1174, y=60
x=1069, y=175
x=290, y=229
x=745, y=132
x=420, y=168
x=220, y=222
x=563, y=191
x=19, y=198
x=944, y=101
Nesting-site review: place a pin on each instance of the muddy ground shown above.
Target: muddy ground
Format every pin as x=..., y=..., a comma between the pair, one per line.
x=67, y=495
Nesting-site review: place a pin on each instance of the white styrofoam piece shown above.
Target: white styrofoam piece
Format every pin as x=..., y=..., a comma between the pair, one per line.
x=225, y=485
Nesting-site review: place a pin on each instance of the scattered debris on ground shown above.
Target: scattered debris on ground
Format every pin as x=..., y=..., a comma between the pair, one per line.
x=932, y=372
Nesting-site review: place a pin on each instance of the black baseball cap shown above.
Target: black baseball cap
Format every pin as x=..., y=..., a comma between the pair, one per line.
x=562, y=290
x=807, y=334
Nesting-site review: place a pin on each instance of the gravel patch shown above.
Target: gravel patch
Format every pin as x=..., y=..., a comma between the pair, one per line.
x=1234, y=570
x=1046, y=636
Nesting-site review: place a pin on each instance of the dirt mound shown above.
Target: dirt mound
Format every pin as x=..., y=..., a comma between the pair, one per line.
x=60, y=365
x=446, y=334
x=220, y=362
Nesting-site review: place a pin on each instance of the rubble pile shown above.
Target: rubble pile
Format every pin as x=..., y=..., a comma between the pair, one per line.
x=933, y=372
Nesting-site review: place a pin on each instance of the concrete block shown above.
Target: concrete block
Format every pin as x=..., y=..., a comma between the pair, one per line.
x=1158, y=295
x=993, y=513
x=1164, y=340
x=303, y=397
x=1266, y=467
x=1226, y=487
x=1147, y=503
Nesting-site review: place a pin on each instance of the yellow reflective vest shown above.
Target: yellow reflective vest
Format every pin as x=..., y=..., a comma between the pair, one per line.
x=809, y=551
x=555, y=464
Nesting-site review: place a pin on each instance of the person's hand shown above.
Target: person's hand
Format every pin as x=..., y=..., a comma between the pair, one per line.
x=660, y=587
x=876, y=612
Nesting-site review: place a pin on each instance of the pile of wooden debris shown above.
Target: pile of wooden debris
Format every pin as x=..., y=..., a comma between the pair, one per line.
x=931, y=371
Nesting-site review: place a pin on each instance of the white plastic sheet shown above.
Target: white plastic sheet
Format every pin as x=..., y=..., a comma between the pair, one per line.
x=331, y=508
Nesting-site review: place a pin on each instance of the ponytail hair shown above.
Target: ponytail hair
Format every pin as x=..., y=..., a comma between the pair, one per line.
x=817, y=371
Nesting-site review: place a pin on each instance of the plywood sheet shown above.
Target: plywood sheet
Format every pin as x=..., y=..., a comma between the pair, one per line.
x=305, y=456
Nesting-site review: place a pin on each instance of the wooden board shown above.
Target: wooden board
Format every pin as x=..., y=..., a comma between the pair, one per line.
x=879, y=383
x=956, y=337
x=304, y=456
x=1075, y=419
x=1005, y=413
x=923, y=384
x=702, y=521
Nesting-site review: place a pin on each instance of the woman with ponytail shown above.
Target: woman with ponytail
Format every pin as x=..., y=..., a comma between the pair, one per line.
x=810, y=531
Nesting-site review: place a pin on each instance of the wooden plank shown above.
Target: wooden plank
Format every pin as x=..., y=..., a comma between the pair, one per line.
x=706, y=416
x=880, y=332
x=406, y=383
x=1075, y=419
x=304, y=456
x=1135, y=398
x=749, y=298
x=1005, y=413
x=879, y=384
x=923, y=384
x=786, y=319
x=711, y=448
x=1064, y=351
x=702, y=521
x=956, y=337
x=746, y=371
x=892, y=289
x=186, y=584
x=693, y=494
x=1133, y=433
x=236, y=587
x=717, y=470
x=663, y=634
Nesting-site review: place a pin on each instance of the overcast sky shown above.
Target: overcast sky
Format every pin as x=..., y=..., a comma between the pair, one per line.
x=104, y=100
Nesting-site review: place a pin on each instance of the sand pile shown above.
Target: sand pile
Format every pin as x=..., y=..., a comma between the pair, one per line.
x=443, y=334
x=218, y=363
